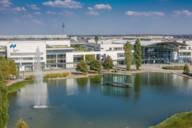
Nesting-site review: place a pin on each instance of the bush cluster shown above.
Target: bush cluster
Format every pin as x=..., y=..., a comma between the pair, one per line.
x=173, y=67
x=57, y=75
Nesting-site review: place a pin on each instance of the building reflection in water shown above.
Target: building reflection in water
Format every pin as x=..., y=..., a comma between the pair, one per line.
x=132, y=92
x=26, y=95
x=71, y=87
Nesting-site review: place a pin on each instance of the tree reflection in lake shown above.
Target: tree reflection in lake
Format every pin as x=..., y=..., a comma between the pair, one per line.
x=137, y=86
x=95, y=79
x=82, y=82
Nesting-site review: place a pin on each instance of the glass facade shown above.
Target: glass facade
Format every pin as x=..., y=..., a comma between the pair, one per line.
x=159, y=53
x=56, y=59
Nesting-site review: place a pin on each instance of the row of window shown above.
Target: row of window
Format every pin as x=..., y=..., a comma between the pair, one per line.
x=185, y=53
x=25, y=58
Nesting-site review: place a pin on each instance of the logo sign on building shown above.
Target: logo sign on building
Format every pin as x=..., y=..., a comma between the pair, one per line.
x=13, y=45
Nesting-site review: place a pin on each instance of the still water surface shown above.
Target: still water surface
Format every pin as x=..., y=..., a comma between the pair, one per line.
x=86, y=103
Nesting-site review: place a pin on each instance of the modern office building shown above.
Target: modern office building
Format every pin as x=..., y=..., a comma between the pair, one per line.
x=58, y=53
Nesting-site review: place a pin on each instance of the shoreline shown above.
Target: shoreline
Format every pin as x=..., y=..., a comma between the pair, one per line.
x=133, y=72
x=74, y=77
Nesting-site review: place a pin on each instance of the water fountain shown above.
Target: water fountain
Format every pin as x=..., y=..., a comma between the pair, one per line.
x=40, y=88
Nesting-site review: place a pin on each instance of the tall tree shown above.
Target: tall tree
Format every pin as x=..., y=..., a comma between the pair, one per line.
x=138, y=54
x=3, y=105
x=108, y=63
x=96, y=39
x=128, y=55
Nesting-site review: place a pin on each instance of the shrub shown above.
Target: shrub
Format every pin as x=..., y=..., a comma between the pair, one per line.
x=108, y=63
x=82, y=67
x=173, y=67
x=186, y=69
x=89, y=58
x=22, y=124
x=57, y=75
x=95, y=65
x=30, y=77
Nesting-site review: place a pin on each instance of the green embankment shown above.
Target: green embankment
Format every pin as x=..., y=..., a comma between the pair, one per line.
x=16, y=86
x=179, y=120
x=56, y=75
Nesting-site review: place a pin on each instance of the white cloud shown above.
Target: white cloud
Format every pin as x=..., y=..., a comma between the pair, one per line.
x=102, y=7
x=34, y=7
x=51, y=13
x=5, y=3
x=72, y=4
x=93, y=13
x=20, y=9
x=37, y=13
x=36, y=21
x=65, y=13
x=95, y=10
x=90, y=8
x=149, y=13
x=183, y=12
x=30, y=16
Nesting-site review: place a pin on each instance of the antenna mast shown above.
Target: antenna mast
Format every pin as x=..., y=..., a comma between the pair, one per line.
x=63, y=27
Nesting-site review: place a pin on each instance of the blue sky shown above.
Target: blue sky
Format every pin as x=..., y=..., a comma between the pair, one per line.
x=96, y=16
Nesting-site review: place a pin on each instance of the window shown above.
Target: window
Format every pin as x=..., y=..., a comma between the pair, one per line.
x=120, y=55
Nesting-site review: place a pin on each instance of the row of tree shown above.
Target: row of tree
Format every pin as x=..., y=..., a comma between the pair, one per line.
x=129, y=56
x=91, y=63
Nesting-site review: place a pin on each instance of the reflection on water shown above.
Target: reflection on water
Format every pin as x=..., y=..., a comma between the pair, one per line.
x=26, y=95
x=71, y=87
x=137, y=86
x=88, y=103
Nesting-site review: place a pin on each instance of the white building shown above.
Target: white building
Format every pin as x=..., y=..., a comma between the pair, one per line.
x=56, y=51
x=185, y=52
x=22, y=49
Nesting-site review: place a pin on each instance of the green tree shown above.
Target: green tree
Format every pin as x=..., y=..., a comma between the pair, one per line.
x=8, y=68
x=89, y=58
x=22, y=124
x=96, y=39
x=3, y=105
x=95, y=65
x=138, y=54
x=186, y=69
x=128, y=55
x=108, y=63
x=82, y=67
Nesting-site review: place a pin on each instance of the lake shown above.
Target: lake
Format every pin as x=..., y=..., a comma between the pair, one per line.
x=86, y=103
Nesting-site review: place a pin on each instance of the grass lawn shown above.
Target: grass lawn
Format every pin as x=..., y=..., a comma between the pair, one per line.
x=14, y=87
x=179, y=120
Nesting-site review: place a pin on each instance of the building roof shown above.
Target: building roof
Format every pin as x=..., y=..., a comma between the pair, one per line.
x=34, y=37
